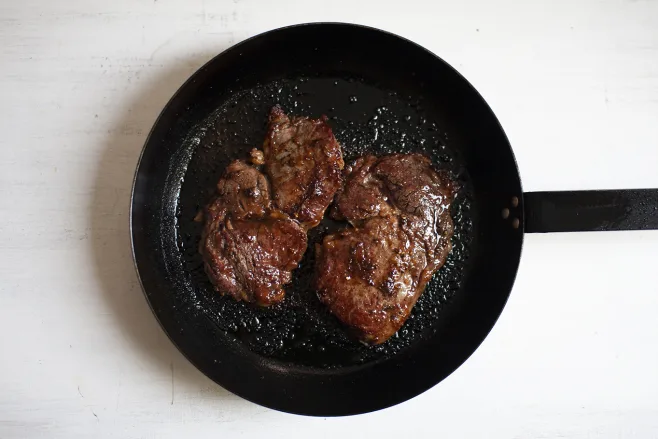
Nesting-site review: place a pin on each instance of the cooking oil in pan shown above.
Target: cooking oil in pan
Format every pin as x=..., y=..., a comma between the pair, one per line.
x=366, y=119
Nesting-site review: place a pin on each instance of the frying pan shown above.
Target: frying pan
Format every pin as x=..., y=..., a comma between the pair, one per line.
x=382, y=94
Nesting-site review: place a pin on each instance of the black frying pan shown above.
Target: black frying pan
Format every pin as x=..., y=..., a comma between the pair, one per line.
x=383, y=94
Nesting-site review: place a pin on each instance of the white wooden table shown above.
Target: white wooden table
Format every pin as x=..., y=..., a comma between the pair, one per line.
x=574, y=83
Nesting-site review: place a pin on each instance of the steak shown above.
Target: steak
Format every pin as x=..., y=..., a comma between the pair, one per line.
x=248, y=247
x=304, y=163
x=371, y=274
x=255, y=229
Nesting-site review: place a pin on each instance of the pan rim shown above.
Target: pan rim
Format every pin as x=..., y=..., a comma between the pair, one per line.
x=235, y=48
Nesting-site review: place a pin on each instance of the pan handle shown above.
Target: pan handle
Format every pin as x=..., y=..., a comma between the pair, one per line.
x=584, y=211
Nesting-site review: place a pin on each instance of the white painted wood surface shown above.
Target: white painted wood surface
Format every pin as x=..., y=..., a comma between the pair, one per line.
x=574, y=83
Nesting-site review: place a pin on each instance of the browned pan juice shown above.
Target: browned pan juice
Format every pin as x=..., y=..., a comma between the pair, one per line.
x=366, y=119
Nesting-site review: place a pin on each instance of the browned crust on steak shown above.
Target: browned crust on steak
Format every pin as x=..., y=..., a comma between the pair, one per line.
x=304, y=163
x=249, y=249
x=370, y=275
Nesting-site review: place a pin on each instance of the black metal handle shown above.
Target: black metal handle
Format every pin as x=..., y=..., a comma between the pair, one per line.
x=583, y=211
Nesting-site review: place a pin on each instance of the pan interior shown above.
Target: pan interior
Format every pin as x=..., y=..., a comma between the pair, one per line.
x=367, y=119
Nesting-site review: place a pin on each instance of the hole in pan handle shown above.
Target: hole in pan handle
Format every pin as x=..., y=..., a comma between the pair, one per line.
x=585, y=211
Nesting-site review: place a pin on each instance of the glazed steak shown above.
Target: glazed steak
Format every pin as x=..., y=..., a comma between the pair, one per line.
x=248, y=248
x=371, y=275
x=304, y=162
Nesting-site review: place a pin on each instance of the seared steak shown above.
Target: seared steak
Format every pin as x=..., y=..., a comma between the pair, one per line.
x=249, y=248
x=303, y=161
x=255, y=229
x=371, y=275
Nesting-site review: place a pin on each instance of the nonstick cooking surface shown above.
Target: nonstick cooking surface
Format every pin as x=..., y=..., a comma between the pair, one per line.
x=366, y=118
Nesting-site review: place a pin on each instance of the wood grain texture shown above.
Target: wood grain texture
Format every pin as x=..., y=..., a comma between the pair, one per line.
x=575, y=84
